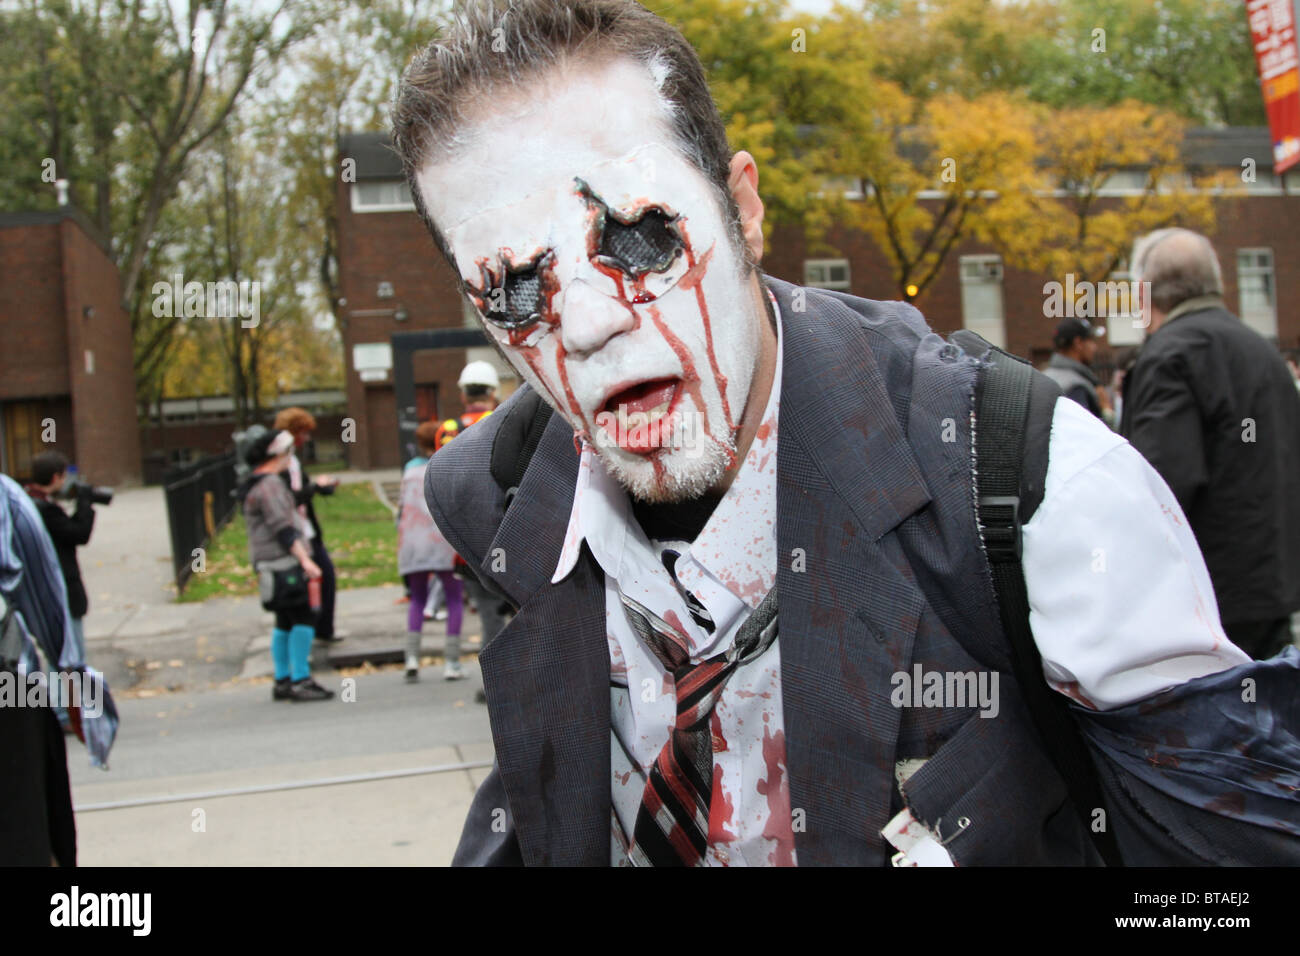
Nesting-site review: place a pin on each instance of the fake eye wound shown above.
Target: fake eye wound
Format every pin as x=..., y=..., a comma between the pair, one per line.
x=643, y=245
x=516, y=298
x=647, y=244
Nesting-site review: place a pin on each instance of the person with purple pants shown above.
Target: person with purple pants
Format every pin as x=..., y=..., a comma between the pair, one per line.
x=421, y=552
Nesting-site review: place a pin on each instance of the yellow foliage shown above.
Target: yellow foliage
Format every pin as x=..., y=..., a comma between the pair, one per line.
x=937, y=170
x=1074, y=228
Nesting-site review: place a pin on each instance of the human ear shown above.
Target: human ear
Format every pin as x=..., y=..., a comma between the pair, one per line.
x=743, y=183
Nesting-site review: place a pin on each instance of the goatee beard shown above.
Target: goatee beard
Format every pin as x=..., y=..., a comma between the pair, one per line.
x=681, y=476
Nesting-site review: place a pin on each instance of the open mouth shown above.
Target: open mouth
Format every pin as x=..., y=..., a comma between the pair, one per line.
x=639, y=418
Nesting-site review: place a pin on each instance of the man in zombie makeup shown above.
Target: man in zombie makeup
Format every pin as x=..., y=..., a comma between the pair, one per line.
x=572, y=167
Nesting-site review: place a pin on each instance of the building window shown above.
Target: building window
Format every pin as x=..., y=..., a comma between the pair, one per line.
x=981, y=298
x=1124, y=182
x=826, y=273
x=1265, y=183
x=1124, y=325
x=1257, y=295
x=386, y=195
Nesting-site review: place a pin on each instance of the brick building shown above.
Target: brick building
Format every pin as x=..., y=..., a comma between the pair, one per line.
x=392, y=279
x=395, y=280
x=1256, y=239
x=67, y=380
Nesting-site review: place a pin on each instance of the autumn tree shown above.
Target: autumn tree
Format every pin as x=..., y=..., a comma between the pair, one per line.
x=341, y=82
x=239, y=206
x=1081, y=226
x=1192, y=58
x=120, y=95
x=935, y=172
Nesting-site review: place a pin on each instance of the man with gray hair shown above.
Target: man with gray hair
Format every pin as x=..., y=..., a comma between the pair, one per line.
x=1211, y=405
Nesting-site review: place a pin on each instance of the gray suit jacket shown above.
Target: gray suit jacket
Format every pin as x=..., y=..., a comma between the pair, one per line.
x=876, y=516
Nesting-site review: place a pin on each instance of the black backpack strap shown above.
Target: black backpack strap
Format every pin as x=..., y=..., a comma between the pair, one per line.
x=1012, y=425
x=517, y=439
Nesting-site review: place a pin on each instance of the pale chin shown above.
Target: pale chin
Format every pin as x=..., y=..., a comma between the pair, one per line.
x=684, y=474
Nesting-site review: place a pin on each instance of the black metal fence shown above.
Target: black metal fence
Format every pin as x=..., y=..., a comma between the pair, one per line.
x=200, y=499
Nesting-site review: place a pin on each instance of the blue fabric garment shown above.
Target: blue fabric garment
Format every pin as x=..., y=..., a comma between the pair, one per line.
x=280, y=652
x=1228, y=743
x=300, y=639
x=32, y=583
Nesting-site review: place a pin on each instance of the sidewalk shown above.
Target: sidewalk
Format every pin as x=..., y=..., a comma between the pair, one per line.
x=187, y=646
x=146, y=643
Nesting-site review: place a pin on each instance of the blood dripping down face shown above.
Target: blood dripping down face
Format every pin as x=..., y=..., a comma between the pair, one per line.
x=603, y=266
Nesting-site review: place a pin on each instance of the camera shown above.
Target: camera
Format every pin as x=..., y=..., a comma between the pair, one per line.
x=75, y=488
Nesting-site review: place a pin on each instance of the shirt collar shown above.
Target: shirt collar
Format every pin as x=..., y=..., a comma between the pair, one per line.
x=1196, y=304
x=601, y=509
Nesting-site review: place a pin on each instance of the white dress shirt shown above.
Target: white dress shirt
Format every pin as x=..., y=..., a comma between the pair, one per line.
x=1121, y=607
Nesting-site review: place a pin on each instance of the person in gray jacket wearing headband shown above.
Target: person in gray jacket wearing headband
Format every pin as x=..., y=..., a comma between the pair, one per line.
x=273, y=535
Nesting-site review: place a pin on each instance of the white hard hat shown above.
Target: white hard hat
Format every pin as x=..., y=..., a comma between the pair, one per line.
x=479, y=373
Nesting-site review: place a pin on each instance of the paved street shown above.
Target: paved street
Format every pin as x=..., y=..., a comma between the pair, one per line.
x=192, y=682
x=196, y=742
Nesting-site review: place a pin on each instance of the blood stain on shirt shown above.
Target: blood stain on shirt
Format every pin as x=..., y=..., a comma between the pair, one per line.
x=721, y=809
x=778, y=826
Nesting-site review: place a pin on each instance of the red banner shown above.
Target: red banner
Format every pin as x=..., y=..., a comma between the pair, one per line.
x=1273, y=34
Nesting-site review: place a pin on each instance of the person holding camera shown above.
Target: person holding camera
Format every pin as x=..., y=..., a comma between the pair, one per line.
x=280, y=555
x=68, y=532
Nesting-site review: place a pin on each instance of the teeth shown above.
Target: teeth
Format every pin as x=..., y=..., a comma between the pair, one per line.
x=630, y=421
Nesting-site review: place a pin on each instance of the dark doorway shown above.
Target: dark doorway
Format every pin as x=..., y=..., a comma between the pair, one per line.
x=411, y=409
x=426, y=402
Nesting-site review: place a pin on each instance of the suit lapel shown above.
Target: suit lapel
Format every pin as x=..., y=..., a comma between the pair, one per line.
x=549, y=674
x=846, y=477
x=549, y=671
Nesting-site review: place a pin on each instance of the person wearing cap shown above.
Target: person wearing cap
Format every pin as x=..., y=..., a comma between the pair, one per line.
x=275, y=532
x=1071, y=366
x=478, y=391
x=1211, y=405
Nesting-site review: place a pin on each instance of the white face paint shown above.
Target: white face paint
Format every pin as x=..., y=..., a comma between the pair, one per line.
x=573, y=217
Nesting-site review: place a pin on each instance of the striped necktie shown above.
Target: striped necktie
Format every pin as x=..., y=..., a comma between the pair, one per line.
x=672, y=824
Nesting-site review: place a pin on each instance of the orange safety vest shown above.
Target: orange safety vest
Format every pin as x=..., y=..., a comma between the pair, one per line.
x=453, y=427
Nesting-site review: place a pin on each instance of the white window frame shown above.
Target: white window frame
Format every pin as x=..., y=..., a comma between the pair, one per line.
x=359, y=207
x=828, y=264
x=1267, y=328
x=995, y=331
x=1110, y=186
x=1124, y=329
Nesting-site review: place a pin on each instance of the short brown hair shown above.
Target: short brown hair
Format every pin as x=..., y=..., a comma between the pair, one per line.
x=503, y=43
x=426, y=436
x=47, y=466
x=295, y=420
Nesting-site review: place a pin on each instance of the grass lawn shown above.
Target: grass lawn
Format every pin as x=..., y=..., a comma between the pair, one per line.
x=359, y=532
x=325, y=467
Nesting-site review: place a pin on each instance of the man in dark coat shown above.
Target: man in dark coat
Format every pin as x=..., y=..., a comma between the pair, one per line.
x=1211, y=405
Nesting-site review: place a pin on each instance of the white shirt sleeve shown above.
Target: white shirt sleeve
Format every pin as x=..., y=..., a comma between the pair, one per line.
x=1120, y=602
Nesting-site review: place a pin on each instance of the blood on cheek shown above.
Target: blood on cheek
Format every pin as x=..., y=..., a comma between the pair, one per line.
x=519, y=340
x=692, y=280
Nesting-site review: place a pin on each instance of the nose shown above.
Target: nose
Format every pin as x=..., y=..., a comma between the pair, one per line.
x=590, y=319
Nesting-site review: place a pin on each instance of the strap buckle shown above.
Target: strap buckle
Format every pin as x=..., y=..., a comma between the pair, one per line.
x=1000, y=518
